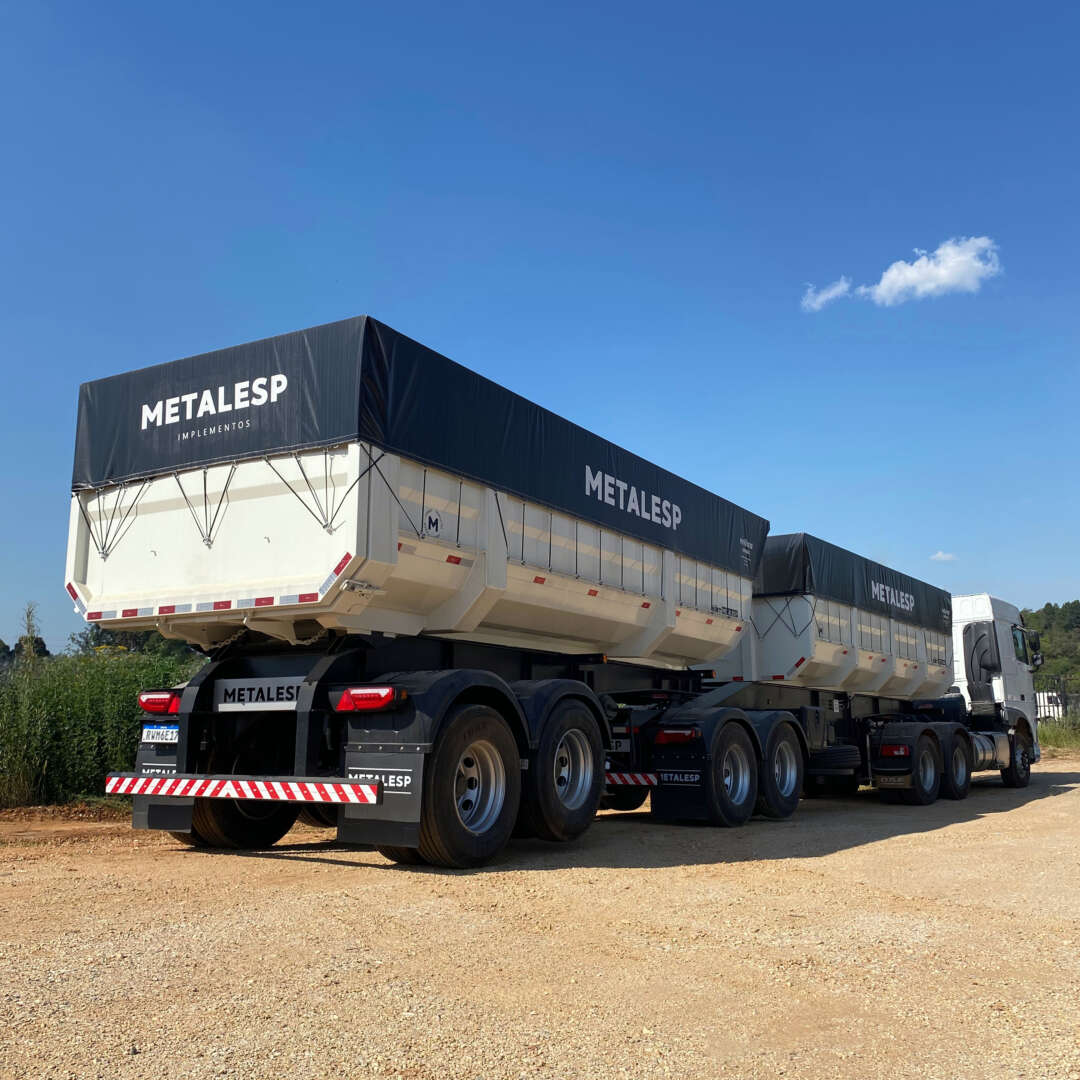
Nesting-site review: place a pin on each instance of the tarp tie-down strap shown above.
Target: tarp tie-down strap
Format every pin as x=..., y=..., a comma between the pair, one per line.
x=393, y=493
x=110, y=532
x=327, y=514
x=210, y=521
x=778, y=616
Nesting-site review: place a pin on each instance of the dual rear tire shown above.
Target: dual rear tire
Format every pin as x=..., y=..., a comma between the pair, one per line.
x=476, y=795
x=738, y=785
x=926, y=773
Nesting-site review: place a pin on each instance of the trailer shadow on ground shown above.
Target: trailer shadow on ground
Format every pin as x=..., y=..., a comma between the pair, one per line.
x=820, y=827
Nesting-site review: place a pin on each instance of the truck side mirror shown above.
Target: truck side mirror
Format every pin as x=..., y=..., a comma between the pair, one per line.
x=1035, y=640
x=1036, y=659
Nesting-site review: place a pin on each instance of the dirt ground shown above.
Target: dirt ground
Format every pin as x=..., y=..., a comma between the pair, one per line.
x=856, y=940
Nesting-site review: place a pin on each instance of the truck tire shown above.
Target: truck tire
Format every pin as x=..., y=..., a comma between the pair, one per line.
x=731, y=781
x=624, y=798
x=191, y=839
x=241, y=823
x=1018, y=773
x=472, y=789
x=780, y=777
x=319, y=817
x=956, y=776
x=565, y=778
x=926, y=772
x=407, y=856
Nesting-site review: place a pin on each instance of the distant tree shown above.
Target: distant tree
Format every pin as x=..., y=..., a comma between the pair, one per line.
x=31, y=645
x=1059, y=628
x=94, y=638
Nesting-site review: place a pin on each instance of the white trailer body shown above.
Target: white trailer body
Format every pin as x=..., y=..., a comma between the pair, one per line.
x=826, y=619
x=347, y=478
x=355, y=539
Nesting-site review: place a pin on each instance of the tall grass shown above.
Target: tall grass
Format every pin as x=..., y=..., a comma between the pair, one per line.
x=66, y=721
x=1061, y=734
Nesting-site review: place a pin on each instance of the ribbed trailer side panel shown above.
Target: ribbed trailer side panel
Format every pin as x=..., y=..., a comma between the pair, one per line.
x=828, y=619
x=355, y=539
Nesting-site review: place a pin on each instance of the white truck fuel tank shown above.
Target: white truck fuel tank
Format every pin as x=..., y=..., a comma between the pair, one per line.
x=346, y=477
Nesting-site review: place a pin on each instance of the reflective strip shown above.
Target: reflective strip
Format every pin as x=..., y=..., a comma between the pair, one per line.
x=617, y=779
x=317, y=791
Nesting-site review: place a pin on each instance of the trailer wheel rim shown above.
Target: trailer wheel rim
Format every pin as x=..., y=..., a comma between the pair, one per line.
x=479, y=786
x=735, y=770
x=927, y=769
x=959, y=766
x=572, y=769
x=785, y=769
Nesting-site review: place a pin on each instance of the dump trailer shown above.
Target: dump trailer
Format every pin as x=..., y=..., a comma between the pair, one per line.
x=436, y=614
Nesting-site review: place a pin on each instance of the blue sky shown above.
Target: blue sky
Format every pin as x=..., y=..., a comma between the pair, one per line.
x=614, y=209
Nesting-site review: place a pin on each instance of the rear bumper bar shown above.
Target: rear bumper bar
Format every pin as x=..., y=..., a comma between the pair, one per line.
x=292, y=789
x=631, y=779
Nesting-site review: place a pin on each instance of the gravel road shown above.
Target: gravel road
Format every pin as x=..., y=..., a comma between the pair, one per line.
x=856, y=940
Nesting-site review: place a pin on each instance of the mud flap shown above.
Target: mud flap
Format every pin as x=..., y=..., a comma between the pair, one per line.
x=397, y=820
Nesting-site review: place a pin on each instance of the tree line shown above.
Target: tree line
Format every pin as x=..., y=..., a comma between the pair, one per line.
x=1059, y=628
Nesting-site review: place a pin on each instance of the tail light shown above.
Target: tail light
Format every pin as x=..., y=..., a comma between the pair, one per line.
x=675, y=736
x=160, y=701
x=367, y=698
x=895, y=750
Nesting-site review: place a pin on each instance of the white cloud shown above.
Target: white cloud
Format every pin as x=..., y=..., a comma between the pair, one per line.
x=943, y=556
x=961, y=264
x=815, y=299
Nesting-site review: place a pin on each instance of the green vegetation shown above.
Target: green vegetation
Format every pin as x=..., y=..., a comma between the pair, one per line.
x=65, y=721
x=1061, y=734
x=1059, y=628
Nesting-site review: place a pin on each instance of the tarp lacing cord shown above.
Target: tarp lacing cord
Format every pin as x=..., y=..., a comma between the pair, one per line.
x=333, y=504
x=207, y=526
x=106, y=537
x=393, y=493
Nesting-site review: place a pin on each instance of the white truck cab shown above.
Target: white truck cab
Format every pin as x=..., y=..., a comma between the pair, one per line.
x=994, y=659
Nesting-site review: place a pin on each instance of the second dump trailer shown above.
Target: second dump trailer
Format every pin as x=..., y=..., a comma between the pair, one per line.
x=436, y=613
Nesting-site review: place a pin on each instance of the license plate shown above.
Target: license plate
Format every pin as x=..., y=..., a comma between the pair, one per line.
x=893, y=781
x=161, y=733
x=236, y=695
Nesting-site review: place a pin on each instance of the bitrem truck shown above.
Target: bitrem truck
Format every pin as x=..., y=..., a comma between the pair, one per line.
x=436, y=615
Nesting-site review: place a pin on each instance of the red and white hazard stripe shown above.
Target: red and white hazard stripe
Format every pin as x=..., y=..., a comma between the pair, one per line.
x=632, y=779
x=198, y=606
x=232, y=787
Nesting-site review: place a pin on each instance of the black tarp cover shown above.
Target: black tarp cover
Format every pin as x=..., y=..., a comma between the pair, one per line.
x=360, y=380
x=798, y=564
